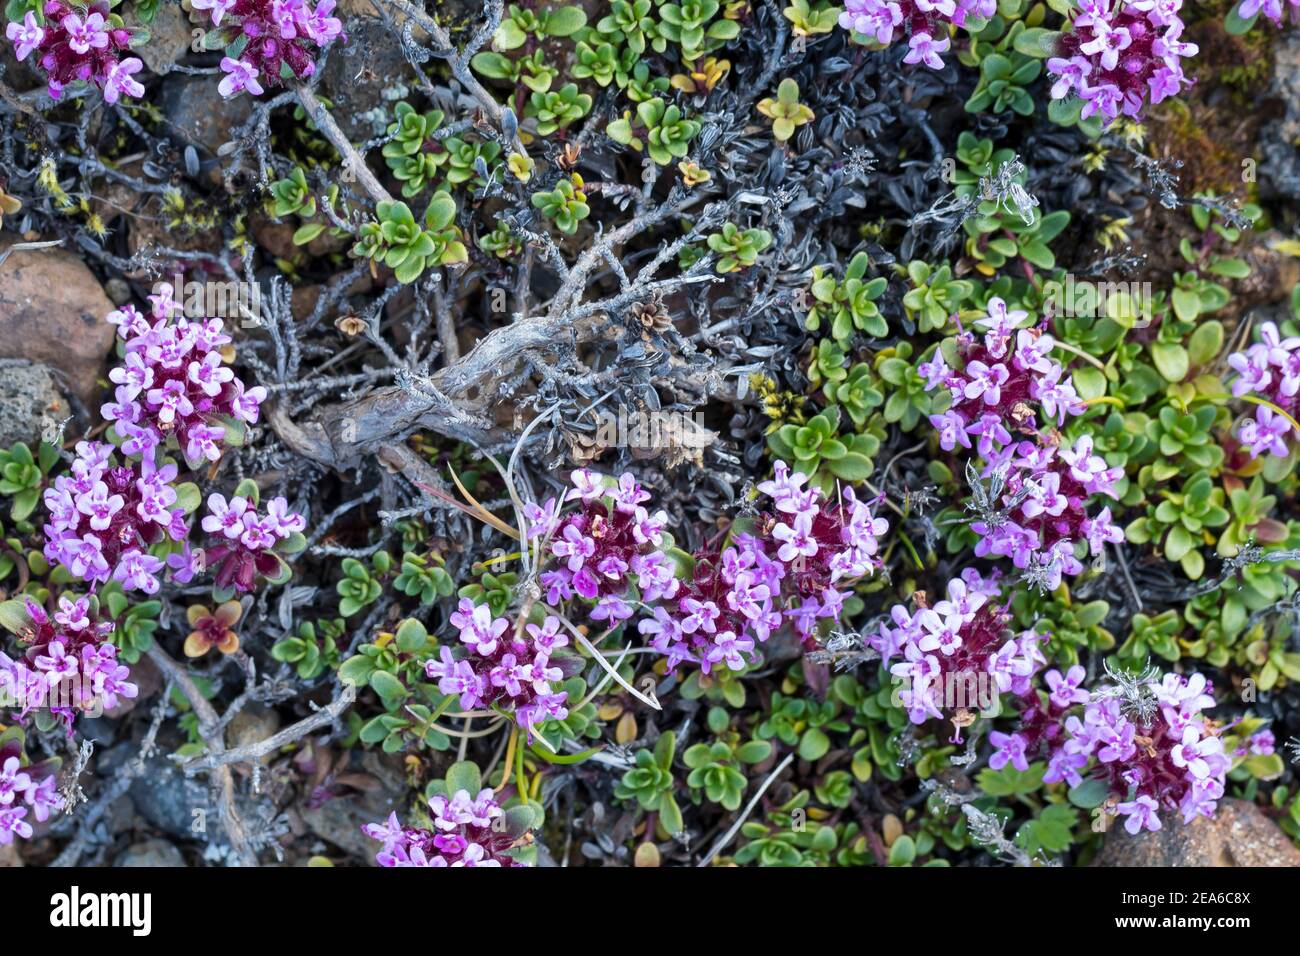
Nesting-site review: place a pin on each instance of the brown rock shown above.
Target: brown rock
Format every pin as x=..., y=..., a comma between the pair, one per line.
x=9, y=856
x=52, y=311
x=252, y=725
x=1239, y=835
x=169, y=36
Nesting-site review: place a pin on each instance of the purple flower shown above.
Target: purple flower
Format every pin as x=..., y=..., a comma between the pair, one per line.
x=1142, y=813
x=118, y=80
x=26, y=36
x=218, y=8
x=925, y=49
x=240, y=76
x=1010, y=749
x=1264, y=433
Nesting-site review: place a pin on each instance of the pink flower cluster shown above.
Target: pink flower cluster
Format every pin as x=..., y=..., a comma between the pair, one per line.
x=1160, y=755
x=246, y=540
x=34, y=785
x=173, y=388
x=104, y=518
x=502, y=669
x=274, y=40
x=68, y=663
x=78, y=43
x=959, y=654
x=1039, y=486
x=925, y=22
x=606, y=544
x=1044, y=516
x=997, y=390
x=1270, y=8
x=463, y=834
x=790, y=571
x=1270, y=368
x=1120, y=55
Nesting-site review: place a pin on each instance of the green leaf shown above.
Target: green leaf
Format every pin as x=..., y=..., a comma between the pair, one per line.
x=388, y=687
x=248, y=490
x=464, y=775
x=1089, y=794
x=356, y=670
x=1236, y=25
x=411, y=635
x=565, y=21
x=670, y=815
x=1205, y=342
x=307, y=232
x=13, y=616
x=813, y=745
x=1171, y=360
x=903, y=852
x=1010, y=782
x=1037, y=42
x=1187, y=304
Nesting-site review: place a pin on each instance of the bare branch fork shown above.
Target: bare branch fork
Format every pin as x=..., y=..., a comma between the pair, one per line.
x=255, y=751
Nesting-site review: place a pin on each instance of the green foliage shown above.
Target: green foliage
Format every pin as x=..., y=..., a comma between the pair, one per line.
x=660, y=128
x=803, y=724
x=23, y=475
x=909, y=399
x=1182, y=522
x=691, y=25
x=715, y=769
x=310, y=652
x=407, y=247
x=935, y=296
x=821, y=452
x=849, y=304
x=786, y=112
x=565, y=205
x=361, y=585
x=738, y=248
x=857, y=393
x=557, y=109
x=651, y=783
x=425, y=576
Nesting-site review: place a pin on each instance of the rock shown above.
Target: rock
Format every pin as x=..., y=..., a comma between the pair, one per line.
x=1239, y=835
x=340, y=820
x=30, y=402
x=179, y=806
x=151, y=853
x=9, y=856
x=1280, y=166
x=169, y=36
x=52, y=310
x=251, y=725
x=364, y=79
x=119, y=291
x=201, y=119
x=101, y=731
